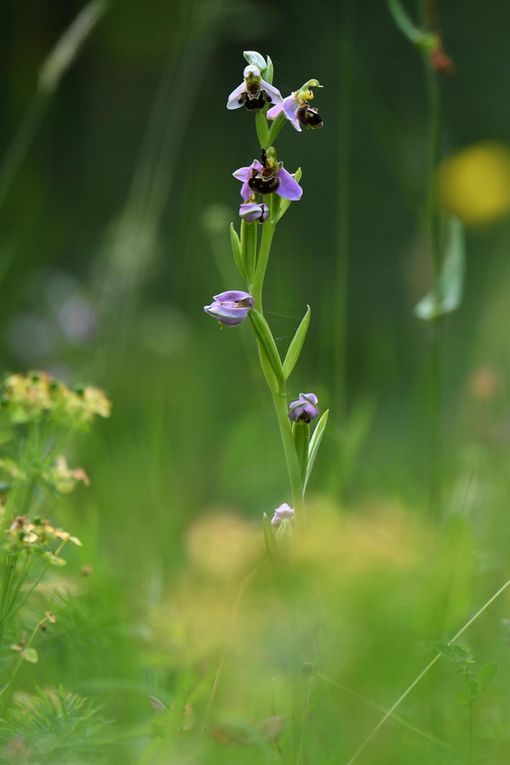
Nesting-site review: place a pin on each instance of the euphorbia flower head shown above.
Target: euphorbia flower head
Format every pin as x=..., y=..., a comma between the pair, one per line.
x=283, y=513
x=254, y=211
x=253, y=92
x=304, y=408
x=266, y=177
x=297, y=109
x=230, y=308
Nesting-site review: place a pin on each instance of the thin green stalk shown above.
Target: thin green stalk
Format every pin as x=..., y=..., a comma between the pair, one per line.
x=434, y=234
x=276, y=127
x=20, y=660
x=54, y=67
x=378, y=708
x=424, y=672
x=342, y=250
x=291, y=457
x=35, y=583
x=226, y=647
x=268, y=230
x=470, y=737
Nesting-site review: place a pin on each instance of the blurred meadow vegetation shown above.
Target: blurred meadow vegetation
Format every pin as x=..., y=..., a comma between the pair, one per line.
x=176, y=641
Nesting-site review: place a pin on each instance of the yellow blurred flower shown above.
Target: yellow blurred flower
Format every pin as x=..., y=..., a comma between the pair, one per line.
x=223, y=544
x=474, y=183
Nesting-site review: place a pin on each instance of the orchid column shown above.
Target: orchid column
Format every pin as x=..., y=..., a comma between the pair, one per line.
x=267, y=191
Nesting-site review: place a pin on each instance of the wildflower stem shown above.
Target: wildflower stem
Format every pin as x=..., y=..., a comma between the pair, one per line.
x=35, y=583
x=268, y=230
x=291, y=457
x=20, y=659
x=434, y=238
x=339, y=317
x=413, y=33
x=276, y=127
x=262, y=129
x=424, y=672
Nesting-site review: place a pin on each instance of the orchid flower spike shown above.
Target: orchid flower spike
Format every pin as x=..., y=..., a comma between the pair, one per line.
x=297, y=109
x=266, y=177
x=254, y=92
x=304, y=408
x=230, y=308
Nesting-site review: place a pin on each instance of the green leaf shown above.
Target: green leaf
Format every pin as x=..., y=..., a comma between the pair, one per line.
x=286, y=203
x=30, y=655
x=460, y=654
x=486, y=674
x=269, y=539
x=314, y=444
x=447, y=296
x=301, y=434
x=237, y=254
x=296, y=345
x=266, y=340
x=248, y=250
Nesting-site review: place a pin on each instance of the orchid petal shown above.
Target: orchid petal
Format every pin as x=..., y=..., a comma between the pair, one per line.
x=273, y=93
x=233, y=99
x=237, y=295
x=289, y=188
x=274, y=111
x=290, y=107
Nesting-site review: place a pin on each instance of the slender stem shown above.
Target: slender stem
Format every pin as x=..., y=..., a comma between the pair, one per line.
x=262, y=129
x=415, y=35
x=433, y=233
x=291, y=457
x=35, y=583
x=396, y=718
x=20, y=660
x=470, y=738
x=276, y=127
x=226, y=647
x=424, y=672
x=342, y=251
x=268, y=229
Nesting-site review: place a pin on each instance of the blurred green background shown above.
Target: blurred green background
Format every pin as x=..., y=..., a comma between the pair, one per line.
x=114, y=234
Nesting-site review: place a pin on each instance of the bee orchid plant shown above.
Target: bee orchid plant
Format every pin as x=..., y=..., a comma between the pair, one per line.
x=268, y=189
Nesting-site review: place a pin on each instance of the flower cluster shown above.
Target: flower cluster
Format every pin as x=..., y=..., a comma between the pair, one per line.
x=35, y=536
x=27, y=398
x=63, y=479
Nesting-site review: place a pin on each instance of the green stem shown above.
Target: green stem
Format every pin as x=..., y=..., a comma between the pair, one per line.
x=434, y=238
x=291, y=457
x=415, y=35
x=391, y=711
x=268, y=229
x=262, y=129
x=276, y=127
x=20, y=660
x=339, y=316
